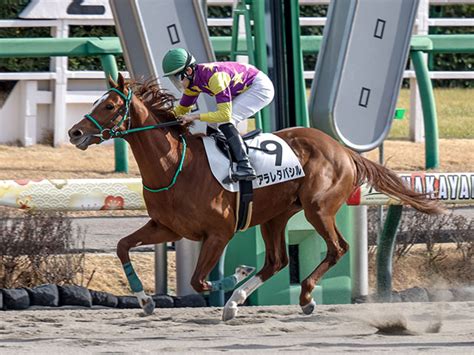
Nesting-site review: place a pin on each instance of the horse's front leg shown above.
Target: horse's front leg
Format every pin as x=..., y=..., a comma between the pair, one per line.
x=150, y=233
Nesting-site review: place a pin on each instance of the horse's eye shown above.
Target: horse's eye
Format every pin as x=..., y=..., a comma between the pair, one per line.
x=109, y=107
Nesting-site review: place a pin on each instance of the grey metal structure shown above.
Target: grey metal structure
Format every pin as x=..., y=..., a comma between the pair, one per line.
x=360, y=68
x=147, y=30
x=356, y=85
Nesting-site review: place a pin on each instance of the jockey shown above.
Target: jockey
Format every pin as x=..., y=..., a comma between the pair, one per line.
x=240, y=90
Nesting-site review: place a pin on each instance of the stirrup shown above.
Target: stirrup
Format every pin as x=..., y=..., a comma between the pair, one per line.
x=249, y=176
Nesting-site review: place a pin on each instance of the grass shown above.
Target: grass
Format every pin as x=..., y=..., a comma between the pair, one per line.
x=455, y=109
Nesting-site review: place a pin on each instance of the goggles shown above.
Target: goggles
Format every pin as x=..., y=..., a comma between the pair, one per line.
x=176, y=80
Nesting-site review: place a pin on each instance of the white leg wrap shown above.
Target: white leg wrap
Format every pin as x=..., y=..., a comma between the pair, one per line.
x=146, y=302
x=240, y=295
x=141, y=296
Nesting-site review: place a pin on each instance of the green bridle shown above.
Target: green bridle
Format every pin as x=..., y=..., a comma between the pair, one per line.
x=108, y=133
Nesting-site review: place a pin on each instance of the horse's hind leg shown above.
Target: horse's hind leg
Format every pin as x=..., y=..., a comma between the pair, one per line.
x=150, y=233
x=211, y=250
x=325, y=225
x=276, y=258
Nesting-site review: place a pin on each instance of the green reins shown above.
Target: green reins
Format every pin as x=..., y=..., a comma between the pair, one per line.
x=108, y=133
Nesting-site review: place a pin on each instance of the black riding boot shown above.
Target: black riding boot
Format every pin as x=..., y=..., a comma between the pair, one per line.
x=237, y=147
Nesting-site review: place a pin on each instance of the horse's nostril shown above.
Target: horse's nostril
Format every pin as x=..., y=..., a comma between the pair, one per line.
x=75, y=133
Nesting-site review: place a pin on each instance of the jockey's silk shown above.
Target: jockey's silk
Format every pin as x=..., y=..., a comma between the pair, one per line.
x=224, y=81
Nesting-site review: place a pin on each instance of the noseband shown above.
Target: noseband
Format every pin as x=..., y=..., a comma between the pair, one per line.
x=107, y=133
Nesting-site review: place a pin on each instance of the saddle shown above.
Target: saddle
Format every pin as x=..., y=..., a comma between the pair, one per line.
x=272, y=158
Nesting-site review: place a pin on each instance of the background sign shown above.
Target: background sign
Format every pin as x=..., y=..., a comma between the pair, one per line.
x=66, y=9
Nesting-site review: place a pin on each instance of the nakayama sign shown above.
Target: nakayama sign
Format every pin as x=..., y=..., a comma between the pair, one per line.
x=67, y=9
x=455, y=188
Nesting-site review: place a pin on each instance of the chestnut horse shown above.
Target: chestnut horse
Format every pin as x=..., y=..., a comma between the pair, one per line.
x=184, y=200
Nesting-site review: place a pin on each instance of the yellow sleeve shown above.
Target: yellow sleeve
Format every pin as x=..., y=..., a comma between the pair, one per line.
x=223, y=114
x=219, y=85
x=181, y=110
x=186, y=103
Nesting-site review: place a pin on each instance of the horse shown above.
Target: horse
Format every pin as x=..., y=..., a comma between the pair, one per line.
x=184, y=200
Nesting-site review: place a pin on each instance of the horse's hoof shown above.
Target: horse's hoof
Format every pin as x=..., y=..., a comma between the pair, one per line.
x=148, y=306
x=244, y=270
x=309, y=308
x=230, y=311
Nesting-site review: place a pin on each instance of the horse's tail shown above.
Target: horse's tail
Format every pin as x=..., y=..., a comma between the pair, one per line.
x=386, y=181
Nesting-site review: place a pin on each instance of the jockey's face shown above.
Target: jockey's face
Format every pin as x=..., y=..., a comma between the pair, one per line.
x=185, y=81
x=180, y=81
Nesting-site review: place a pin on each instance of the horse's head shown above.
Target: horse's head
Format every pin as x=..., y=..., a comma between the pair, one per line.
x=109, y=116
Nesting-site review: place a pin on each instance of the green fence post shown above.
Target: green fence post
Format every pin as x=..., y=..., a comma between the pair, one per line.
x=120, y=145
x=301, y=108
x=257, y=8
x=429, y=110
x=249, y=51
x=385, y=248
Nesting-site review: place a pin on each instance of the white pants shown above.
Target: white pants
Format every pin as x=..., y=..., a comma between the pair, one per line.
x=247, y=104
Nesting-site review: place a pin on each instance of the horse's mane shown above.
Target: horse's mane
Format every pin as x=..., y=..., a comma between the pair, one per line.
x=158, y=100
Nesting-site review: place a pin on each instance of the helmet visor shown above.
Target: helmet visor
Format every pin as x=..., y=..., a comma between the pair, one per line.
x=176, y=81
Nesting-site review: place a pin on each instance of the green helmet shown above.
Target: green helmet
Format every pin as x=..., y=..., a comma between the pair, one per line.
x=176, y=61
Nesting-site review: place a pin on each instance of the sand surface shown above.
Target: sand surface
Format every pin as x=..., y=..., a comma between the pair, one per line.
x=434, y=328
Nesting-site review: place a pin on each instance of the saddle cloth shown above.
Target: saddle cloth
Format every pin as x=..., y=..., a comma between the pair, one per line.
x=278, y=163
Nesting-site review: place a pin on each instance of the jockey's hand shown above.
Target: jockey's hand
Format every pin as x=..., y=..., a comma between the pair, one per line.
x=188, y=118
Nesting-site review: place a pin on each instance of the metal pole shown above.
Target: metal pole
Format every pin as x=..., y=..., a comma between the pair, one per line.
x=161, y=269
x=187, y=254
x=360, y=264
x=120, y=145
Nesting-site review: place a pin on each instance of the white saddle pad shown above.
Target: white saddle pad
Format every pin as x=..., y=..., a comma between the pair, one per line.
x=278, y=165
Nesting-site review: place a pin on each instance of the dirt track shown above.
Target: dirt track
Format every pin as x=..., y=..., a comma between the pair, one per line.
x=434, y=328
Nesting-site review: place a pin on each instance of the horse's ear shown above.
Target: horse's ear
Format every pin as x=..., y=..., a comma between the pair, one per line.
x=121, y=82
x=112, y=82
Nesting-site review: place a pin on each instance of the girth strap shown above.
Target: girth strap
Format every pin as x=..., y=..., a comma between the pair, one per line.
x=244, y=205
